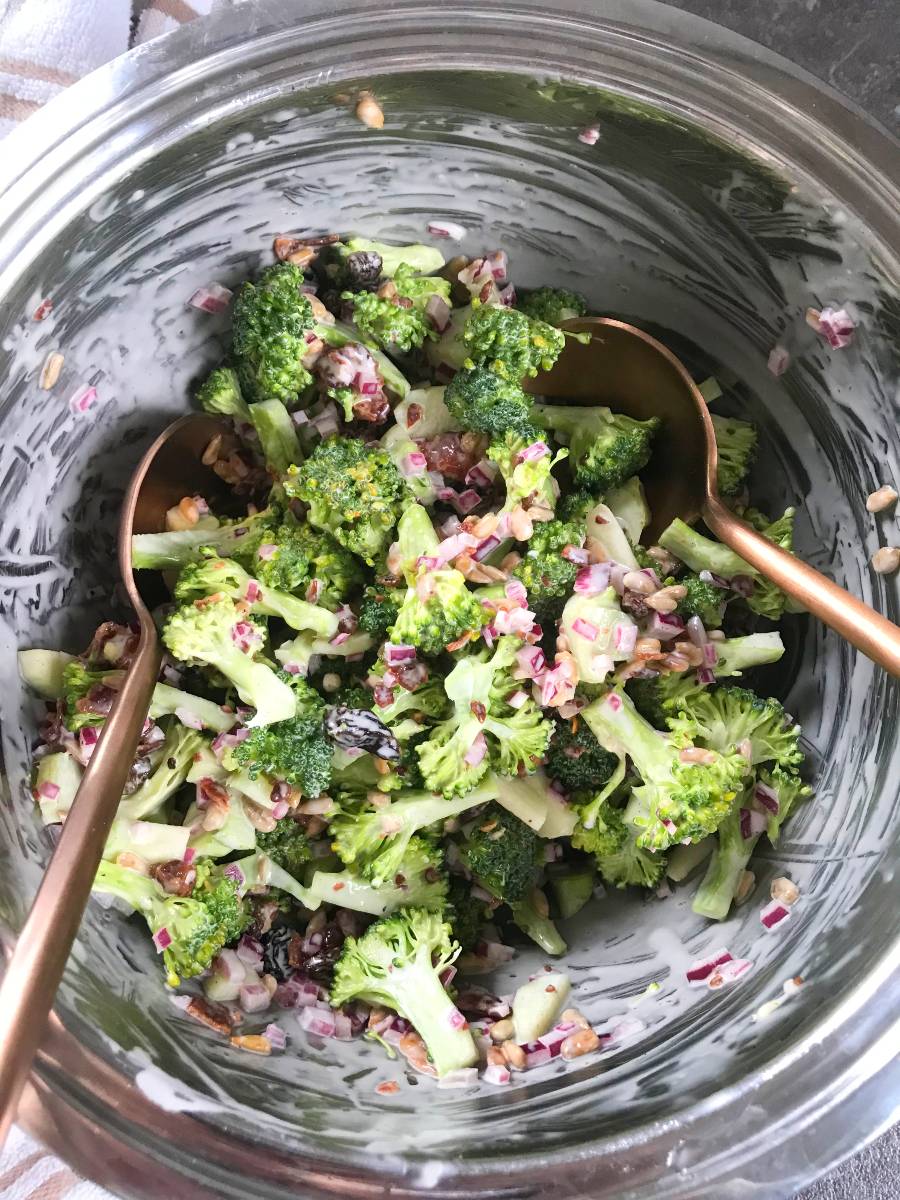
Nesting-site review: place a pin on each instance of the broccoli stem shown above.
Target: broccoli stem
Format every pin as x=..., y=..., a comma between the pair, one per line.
x=620, y=729
x=420, y=997
x=347, y=890
x=168, y=700
x=172, y=550
x=178, y=753
x=702, y=553
x=538, y=927
x=729, y=861
x=739, y=654
x=277, y=435
x=257, y=684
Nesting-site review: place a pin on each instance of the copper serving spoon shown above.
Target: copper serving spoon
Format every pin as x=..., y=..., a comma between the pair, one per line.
x=37, y=963
x=630, y=372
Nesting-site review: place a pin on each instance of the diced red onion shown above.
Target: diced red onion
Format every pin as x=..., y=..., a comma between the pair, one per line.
x=82, y=399
x=664, y=626
x=314, y=591
x=531, y=662
x=234, y=872
x=587, y=630
x=836, y=326
x=454, y=1018
x=343, y=1027
x=576, y=555
x=514, y=590
x=249, y=951
x=188, y=718
x=476, y=751
x=743, y=585
x=517, y=699
x=533, y=452
x=281, y=809
x=537, y=1058
x=447, y=976
x=463, y=502
x=590, y=135
x=498, y=264
x=517, y=620
x=698, y=972
x=254, y=997
x=774, y=913
x=461, y=1077
x=480, y=893
x=728, y=972
x=267, y=550
x=214, y=298
x=507, y=296
x=628, y=1027
x=779, y=360
x=189, y=855
x=705, y=676
x=162, y=939
x=715, y=580
x=625, y=636
x=758, y=822
x=318, y=1021
x=437, y=310
x=557, y=1035
x=745, y=823
x=453, y=546
x=276, y=1036
x=496, y=1074
x=48, y=790
x=396, y=653
x=710, y=654
x=414, y=463
x=767, y=797
x=181, y=1002
x=617, y=573
x=482, y=474
x=339, y=639
x=592, y=580
x=484, y=548
x=446, y=229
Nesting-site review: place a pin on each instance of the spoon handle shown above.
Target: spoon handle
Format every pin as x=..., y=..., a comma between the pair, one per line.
x=867, y=630
x=36, y=967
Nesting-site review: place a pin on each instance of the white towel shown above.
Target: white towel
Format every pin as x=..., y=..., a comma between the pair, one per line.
x=46, y=45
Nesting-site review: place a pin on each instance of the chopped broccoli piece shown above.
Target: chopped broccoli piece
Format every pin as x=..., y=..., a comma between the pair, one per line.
x=424, y=260
x=485, y=402
x=679, y=799
x=220, y=393
x=295, y=751
x=597, y=630
x=606, y=448
x=214, y=633
x=575, y=759
x=171, y=700
x=296, y=555
x=736, y=442
x=215, y=577
x=189, y=930
x=376, y=842
x=723, y=718
x=63, y=774
x=704, y=600
x=277, y=435
x=295, y=656
x=509, y=342
x=531, y=917
x=527, y=479
x=353, y=493
x=287, y=844
x=378, y=611
x=419, y=882
x=233, y=539
x=437, y=611
x=547, y=576
x=503, y=854
x=389, y=324
x=478, y=687
x=552, y=305
x=628, y=504
x=176, y=756
x=790, y=789
x=467, y=915
x=397, y=963
x=269, y=325
x=728, y=862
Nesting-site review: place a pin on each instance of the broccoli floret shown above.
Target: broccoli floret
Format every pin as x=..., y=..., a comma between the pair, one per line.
x=188, y=930
x=455, y=755
x=87, y=694
x=509, y=342
x=526, y=478
x=419, y=882
x=736, y=443
x=353, y=493
x=269, y=325
x=297, y=555
x=467, y=915
x=232, y=539
x=428, y=701
x=575, y=507
x=703, y=600
x=603, y=831
x=722, y=718
x=220, y=393
x=212, y=632
x=277, y=435
x=375, y=842
x=704, y=554
x=658, y=699
x=679, y=799
x=503, y=853
x=389, y=324
x=213, y=577
x=287, y=844
x=397, y=963
x=575, y=759
x=485, y=402
x=423, y=260
x=728, y=862
x=547, y=576
x=789, y=790
x=176, y=756
x=437, y=611
x=552, y=305
x=606, y=448
x=378, y=611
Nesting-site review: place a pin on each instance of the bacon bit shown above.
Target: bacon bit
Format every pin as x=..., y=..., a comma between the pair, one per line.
x=214, y=1016
x=43, y=310
x=389, y=1087
x=254, y=1042
x=293, y=250
x=460, y=642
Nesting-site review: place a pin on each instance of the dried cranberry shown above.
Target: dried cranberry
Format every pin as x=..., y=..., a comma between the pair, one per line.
x=175, y=877
x=372, y=409
x=635, y=604
x=447, y=454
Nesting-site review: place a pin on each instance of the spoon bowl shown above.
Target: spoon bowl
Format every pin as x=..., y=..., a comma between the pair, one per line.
x=630, y=372
x=170, y=469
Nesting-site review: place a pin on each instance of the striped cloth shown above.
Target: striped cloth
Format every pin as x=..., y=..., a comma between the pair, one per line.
x=46, y=45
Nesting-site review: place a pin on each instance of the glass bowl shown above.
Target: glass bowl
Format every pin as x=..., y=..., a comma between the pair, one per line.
x=724, y=194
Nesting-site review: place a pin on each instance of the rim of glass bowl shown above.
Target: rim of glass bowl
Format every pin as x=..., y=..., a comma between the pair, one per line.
x=838, y=1085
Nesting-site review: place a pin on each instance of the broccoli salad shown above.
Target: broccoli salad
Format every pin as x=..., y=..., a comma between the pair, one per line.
x=426, y=690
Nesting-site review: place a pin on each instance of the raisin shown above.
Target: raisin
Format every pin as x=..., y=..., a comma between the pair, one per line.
x=362, y=266
x=276, y=953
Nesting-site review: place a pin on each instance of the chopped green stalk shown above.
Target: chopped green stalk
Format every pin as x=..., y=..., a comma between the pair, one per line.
x=572, y=889
x=296, y=654
x=727, y=865
x=177, y=755
x=149, y=840
x=531, y=917
x=790, y=790
x=419, y=883
x=598, y=633
x=42, y=671
x=603, y=526
x=424, y=414
x=397, y=963
x=216, y=635
x=58, y=779
x=224, y=577
x=628, y=505
x=238, y=832
x=277, y=435
x=740, y=654
x=170, y=551
x=186, y=708
x=424, y=260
